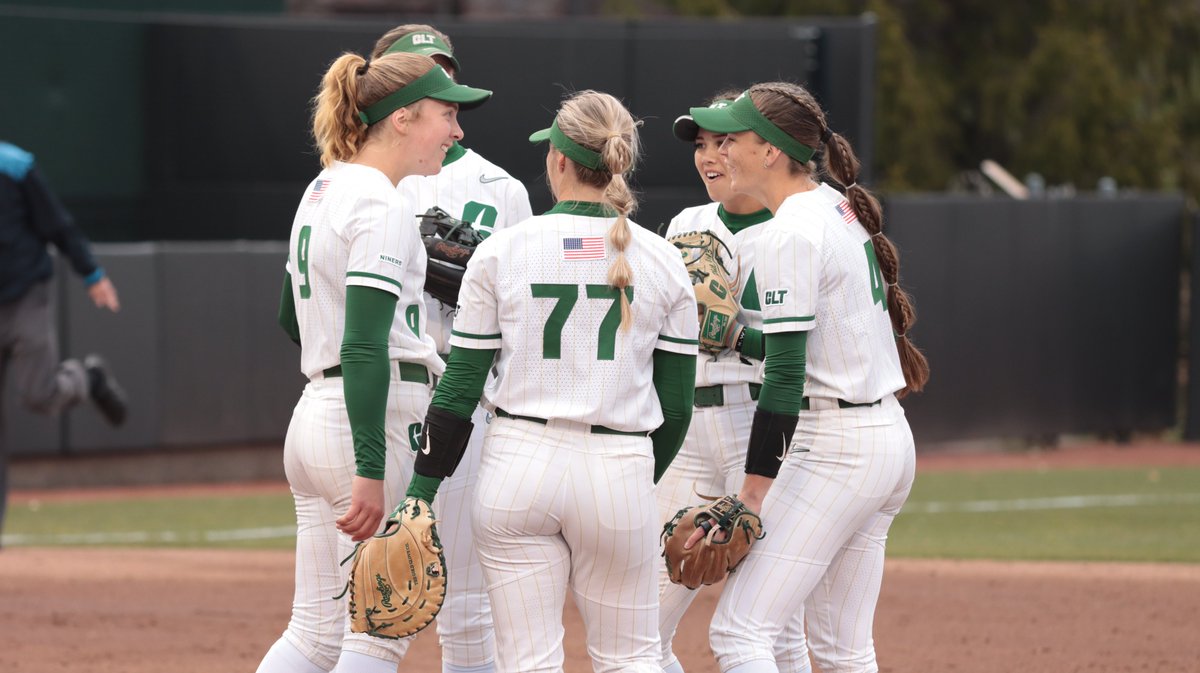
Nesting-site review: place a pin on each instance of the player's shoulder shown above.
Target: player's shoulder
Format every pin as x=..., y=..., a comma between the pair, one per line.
x=695, y=218
x=14, y=161
x=654, y=244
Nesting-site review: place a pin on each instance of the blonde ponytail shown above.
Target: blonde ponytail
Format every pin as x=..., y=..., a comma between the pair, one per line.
x=600, y=122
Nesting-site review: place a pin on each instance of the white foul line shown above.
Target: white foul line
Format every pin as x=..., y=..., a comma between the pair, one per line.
x=282, y=532
x=1061, y=502
x=141, y=537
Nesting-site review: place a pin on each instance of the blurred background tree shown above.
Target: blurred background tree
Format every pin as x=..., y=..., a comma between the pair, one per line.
x=1071, y=90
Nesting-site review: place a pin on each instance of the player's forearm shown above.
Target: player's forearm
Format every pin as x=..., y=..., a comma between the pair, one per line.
x=783, y=375
x=778, y=409
x=448, y=421
x=366, y=374
x=751, y=343
x=462, y=385
x=287, y=310
x=675, y=383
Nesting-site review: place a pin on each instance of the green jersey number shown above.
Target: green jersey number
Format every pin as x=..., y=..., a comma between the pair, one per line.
x=567, y=295
x=302, y=261
x=877, y=288
x=482, y=216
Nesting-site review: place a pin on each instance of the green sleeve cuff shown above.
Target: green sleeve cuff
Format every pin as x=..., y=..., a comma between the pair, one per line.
x=461, y=387
x=753, y=344
x=423, y=487
x=675, y=383
x=287, y=310
x=783, y=378
x=366, y=374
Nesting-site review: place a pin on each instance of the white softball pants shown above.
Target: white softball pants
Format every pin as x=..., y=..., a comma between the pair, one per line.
x=560, y=508
x=319, y=462
x=826, y=517
x=711, y=462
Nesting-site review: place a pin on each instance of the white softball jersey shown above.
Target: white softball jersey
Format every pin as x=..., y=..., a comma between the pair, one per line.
x=473, y=189
x=727, y=366
x=817, y=272
x=539, y=292
x=349, y=230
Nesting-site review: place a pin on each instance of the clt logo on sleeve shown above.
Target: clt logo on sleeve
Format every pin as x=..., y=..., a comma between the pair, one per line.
x=775, y=297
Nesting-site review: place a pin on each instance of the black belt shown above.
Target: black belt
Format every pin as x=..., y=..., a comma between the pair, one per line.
x=714, y=396
x=595, y=429
x=842, y=404
x=410, y=372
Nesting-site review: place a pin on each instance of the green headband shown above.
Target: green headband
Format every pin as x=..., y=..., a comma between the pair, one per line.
x=434, y=84
x=424, y=42
x=743, y=116
x=571, y=149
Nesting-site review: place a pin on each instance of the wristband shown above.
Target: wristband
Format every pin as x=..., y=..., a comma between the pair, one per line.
x=770, y=437
x=449, y=432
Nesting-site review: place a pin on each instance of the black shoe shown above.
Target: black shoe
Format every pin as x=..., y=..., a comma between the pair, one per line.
x=104, y=390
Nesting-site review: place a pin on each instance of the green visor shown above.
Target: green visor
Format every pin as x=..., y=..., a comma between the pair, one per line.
x=435, y=84
x=741, y=115
x=571, y=149
x=686, y=128
x=426, y=43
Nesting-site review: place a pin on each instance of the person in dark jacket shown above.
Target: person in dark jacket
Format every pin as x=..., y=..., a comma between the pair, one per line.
x=31, y=218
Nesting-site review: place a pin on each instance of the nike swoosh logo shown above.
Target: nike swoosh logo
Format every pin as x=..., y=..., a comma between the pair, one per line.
x=783, y=453
x=485, y=179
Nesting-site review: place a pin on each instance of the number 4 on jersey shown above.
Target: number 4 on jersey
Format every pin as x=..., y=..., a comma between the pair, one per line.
x=877, y=288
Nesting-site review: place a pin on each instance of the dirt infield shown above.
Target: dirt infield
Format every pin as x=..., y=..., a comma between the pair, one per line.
x=143, y=611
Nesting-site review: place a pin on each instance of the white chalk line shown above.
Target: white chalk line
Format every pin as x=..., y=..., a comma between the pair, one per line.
x=282, y=532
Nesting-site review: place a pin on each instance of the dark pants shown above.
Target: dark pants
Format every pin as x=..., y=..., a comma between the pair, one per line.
x=29, y=349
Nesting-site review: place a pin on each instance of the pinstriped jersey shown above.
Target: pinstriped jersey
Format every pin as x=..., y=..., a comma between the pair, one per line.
x=728, y=366
x=470, y=188
x=349, y=230
x=817, y=272
x=539, y=293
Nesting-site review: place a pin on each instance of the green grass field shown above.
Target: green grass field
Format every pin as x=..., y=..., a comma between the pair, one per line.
x=1129, y=514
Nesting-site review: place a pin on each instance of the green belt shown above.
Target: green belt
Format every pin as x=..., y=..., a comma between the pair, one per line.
x=410, y=372
x=714, y=396
x=842, y=404
x=596, y=429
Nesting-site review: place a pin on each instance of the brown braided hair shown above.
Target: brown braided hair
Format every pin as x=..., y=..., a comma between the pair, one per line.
x=796, y=112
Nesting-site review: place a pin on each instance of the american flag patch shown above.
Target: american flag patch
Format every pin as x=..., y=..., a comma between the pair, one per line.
x=318, y=190
x=587, y=247
x=846, y=212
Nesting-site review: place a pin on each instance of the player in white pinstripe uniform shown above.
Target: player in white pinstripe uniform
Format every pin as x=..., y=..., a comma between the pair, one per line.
x=353, y=301
x=830, y=459
x=713, y=456
x=473, y=189
x=594, y=322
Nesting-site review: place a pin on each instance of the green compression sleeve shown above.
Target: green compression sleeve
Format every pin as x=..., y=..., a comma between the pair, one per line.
x=783, y=378
x=461, y=387
x=287, y=310
x=675, y=383
x=753, y=345
x=423, y=487
x=366, y=374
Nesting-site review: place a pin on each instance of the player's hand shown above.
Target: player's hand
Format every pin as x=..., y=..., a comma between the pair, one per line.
x=366, y=509
x=104, y=295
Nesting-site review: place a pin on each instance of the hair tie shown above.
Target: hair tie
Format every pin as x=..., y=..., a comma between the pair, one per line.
x=362, y=69
x=826, y=135
x=878, y=233
x=850, y=186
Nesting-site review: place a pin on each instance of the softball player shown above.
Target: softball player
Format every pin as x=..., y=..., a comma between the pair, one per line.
x=713, y=456
x=353, y=300
x=473, y=189
x=830, y=459
x=594, y=322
